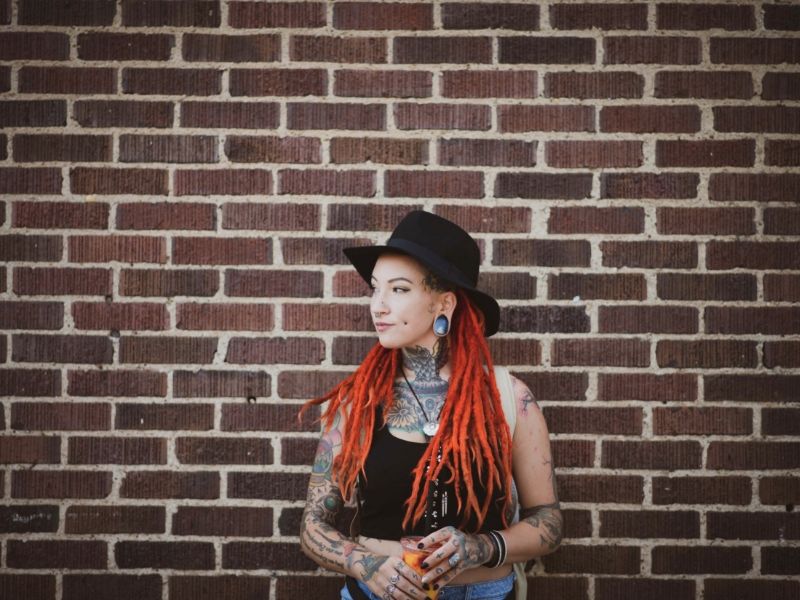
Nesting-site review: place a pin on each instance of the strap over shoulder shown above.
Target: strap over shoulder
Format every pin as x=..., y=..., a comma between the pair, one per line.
x=506, y=388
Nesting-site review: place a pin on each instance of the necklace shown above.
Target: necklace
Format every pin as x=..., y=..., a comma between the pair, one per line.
x=430, y=427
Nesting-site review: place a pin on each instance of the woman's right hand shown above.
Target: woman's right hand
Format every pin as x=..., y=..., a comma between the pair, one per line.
x=390, y=578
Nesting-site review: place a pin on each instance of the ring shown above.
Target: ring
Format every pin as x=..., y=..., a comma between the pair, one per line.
x=391, y=588
x=453, y=560
x=394, y=578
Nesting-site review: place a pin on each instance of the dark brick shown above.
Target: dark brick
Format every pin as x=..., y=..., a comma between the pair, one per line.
x=31, y=587
x=781, y=287
x=299, y=451
x=753, y=456
x=30, y=449
x=225, y=316
x=784, y=18
x=110, y=46
x=268, y=417
x=242, y=587
x=702, y=421
x=169, y=417
x=265, y=555
x=450, y=49
x=588, y=286
x=704, y=84
x=607, y=588
x=622, y=352
x=674, y=524
x=779, y=490
x=28, y=519
x=676, y=387
x=706, y=354
x=308, y=384
x=221, y=251
x=649, y=255
x=573, y=453
x=782, y=153
x=649, y=185
x=268, y=486
x=382, y=15
x=320, y=48
x=67, y=80
x=705, y=153
x=598, y=559
x=383, y=84
x=179, y=82
x=680, y=286
x=117, y=383
x=373, y=217
x=252, y=149
x=119, y=587
x=511, y=286
x=548, y=253
x=660, y=50
x=120, y=248
x=780, y=560
x=593, y=154
x=648, y=319
x=56, y=554
x=518, y=118
x=60, y=484
x=68, y=148
x=168, y=148
x=223, y=451
x=546, y=50
x=28, y=248
x=771, y=320
x=62, y=349
x=706, y=221
x=782, y=354
x=326, y=182
x=652, y=455
x=284, y=284
x=30, y=382
x=31, y=315
x=760, y=187
x=442, y=116
x=166, y=215
x=699, y=559
x=169, y=484
x=114, y=181
x=220, y=384
x=518, y=16
x=544, y=319
x=223, y=521
x=543, y=186
x=165, y=555
x=379, y=150
x=618, y=84
x=591, y=219
x=780, y=86
x=701, y=490
x=278, y=82
x=222, y=182
x=167, y=350
x=61, y=12
x=770, y=388
x=173, y=282
x=488, y=84
x=33, y=45
x=74, y=416
x=767, y=119
x=650, y=119
x=743, y=589
x=617, y=421
x=704, y=16
x=311, y=115
x=753, y=525
x=230, y=115
x=123, y=113
x=175, y=13
x=434, y=184
x=754, y=51
x=231, y=48
x=115, y=519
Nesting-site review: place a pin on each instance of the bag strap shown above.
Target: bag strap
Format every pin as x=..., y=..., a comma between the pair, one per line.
x=506, y=388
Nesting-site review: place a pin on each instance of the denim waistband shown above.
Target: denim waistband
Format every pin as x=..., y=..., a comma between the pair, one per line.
x=497, y=589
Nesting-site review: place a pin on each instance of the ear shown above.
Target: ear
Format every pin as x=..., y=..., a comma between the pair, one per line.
x=447, y=303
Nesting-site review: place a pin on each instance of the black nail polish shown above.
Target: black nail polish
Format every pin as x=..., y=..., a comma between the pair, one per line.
x=425, y=586
x=420, y=545
x=435, y=586
x=424, y=565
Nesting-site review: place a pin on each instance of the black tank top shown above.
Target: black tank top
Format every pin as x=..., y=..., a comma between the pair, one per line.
x=389, y=478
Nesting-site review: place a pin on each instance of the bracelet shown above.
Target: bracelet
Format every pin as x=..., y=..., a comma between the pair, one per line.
x=500, y=545
x=490, y=562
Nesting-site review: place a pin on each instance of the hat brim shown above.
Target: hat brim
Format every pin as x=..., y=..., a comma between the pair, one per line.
x=364, y=258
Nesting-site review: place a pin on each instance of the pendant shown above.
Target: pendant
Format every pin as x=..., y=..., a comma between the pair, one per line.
x=430, y=428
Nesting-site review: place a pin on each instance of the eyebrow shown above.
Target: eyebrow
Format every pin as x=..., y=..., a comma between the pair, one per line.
x=395, y=279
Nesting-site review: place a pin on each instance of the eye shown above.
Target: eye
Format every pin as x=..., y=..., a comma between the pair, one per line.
x=401, y=290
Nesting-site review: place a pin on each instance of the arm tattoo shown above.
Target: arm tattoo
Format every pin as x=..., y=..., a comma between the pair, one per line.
x=527, y=399
x=547, y=520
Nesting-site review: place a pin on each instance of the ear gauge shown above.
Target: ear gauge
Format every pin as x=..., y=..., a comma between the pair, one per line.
x=441, y=326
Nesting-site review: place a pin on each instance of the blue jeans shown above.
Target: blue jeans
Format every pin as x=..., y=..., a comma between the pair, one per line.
x=485, y=590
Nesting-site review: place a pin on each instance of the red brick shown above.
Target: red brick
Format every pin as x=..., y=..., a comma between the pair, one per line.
x=68, y=148
x=680, y=286
x=742, y=589
x=598, y=559
x=28, y=519
x=225, y=317
x=289, y=217
x=275, y=350
x=217, y=451
x=648, y=319
x=594, y=85
x=702, y=421
x=65, y=80
x=258, y=283
x=546, y=50
x=60, y=215
x=174, y=282
x=88, y=180
x=701, y=490
x=767, y=119
x=297, y=451
x=88, y=12
x=782, y=153
x=56, y=554
x=161, y=555
x=754, y=51
x=226, y=586
x=625, y=489
x=170, y=484
x=548, y=253
x=319, y=48
x=109, y=46
x=442, y=116
x=543, y=319
x=543, y=185
x=19, y=180
x=265, y=555
x=754, y=526
x=249, y=149
x=230, y=115
x=706, y=221
x=489, y=84
x=231, y=48
x=123, y=113
x=379, y=150
x=178, y=82
x=30, y=382
x=129, y=315
x=434, y=184
x=593, y=154
x=784, y=18
x=622, y=352
x=608, y=588
x=267, y=486
x=268, y=417
x=479, y=219
x=348, y=284
x=575, y=588
x=60, y=484
x=598, y=16
x=327, y=182
x=649, y=185
x=327, y=115
x=753, y=255
x=782, y=221
x=779, y=490
x=62, y=349
x=120, y=587
x=705, y=153
x=168, y=417
x=780, y=86
x=595, y=219
x=277, y=14
x=754, y=187
x=317, y=251
x=308, y=384
x=648, y=387
x=650, y=119
x=32, y=587
x=520, y=17
x=706, y=354
x=116, y=383
x=382, y=15
x=704, y=84
x=704, y=16
x=222, y=182
x=221, y=251
x=385, y=84
x=67, y=416
x=30, y=449
x=28, y=248
x=168, y=148
x=98, y=248
x=167, y=350
x=565, y=286
x=770, y=388
x=33, y=45
x=616, y=421
x=661, y=50
x=511, y=286
x=573, y=453
x=122, y=451
x=652, y=455
x=650, y=524
x=738, y=320
x=234, y=521
x=220, y=384
x=450, y=49
x=650, y=255
x=780, y=560
x=700, y=559
x=517, y=119
x=352, y=350
x=166, y=215
x=31, y=315
x=371, y=217
x=175, y=13
x=753, y=456
x=782, y=354
x=278, y=82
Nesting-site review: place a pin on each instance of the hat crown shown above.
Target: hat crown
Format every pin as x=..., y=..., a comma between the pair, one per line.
x=459, y=255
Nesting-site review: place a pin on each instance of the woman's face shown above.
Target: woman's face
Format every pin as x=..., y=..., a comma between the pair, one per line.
x=403, y=308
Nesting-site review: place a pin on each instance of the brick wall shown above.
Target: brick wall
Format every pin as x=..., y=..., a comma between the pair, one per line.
x=178, y=179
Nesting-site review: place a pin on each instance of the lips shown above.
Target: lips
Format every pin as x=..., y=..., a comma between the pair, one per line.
x=382, y=326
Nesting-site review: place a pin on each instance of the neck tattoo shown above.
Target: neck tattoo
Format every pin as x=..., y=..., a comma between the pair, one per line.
x=425, y=366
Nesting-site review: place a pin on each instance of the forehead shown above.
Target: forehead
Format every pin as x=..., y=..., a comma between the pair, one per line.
x=393, y=265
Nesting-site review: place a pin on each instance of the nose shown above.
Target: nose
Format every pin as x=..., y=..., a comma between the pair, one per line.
x=377, y=304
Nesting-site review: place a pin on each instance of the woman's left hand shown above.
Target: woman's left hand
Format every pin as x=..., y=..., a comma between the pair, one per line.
x=459, y=552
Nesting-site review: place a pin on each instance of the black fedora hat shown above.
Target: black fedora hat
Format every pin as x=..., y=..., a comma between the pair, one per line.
x=441, y=246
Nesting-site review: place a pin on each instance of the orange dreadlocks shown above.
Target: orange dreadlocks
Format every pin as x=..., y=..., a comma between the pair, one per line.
x=472, y=432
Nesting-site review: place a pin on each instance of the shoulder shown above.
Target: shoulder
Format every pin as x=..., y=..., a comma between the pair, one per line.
x=524, y=399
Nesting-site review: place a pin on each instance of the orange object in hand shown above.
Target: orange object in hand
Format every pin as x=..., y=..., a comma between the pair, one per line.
x=414, y=557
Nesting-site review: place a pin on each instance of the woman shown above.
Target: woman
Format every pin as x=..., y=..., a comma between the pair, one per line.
x=418, y=438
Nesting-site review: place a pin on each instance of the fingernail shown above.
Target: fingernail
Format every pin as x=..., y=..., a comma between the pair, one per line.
x=424, y=565
x=435, y=586
x=420, y=545
x=425, y=586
